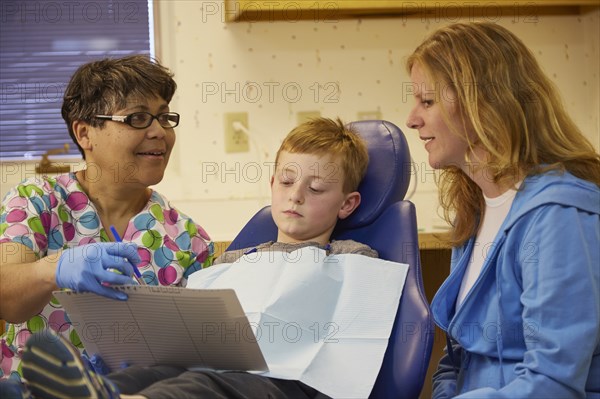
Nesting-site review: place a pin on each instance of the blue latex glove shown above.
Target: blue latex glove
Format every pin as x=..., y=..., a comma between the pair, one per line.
x=84, y=268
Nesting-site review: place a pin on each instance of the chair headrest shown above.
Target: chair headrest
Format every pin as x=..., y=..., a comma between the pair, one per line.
x=388, y=173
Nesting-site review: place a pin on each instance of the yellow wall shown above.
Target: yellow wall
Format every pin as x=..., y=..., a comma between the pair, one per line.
x=273, y=70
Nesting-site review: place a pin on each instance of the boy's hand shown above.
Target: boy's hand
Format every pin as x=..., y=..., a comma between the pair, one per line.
x=96, y=363
x=84, y=268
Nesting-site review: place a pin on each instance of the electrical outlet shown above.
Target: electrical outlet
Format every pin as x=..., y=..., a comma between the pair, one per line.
x=236, y=140
x=304, y=116
x=368, y=115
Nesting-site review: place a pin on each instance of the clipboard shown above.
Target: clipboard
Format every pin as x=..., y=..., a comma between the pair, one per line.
x=192, y=328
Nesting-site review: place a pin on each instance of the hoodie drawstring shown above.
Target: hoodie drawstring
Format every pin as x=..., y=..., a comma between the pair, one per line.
x=499, y=320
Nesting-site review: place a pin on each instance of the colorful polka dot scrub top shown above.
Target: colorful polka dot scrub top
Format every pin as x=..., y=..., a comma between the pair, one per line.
x=50, y=214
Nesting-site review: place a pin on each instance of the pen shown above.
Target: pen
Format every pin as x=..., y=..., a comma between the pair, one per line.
x=136, y=272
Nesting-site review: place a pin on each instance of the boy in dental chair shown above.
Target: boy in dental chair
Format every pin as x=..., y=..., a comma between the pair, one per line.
x=318, y=169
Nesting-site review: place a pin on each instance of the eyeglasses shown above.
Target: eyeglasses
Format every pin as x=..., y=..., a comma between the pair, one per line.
x=141, y=120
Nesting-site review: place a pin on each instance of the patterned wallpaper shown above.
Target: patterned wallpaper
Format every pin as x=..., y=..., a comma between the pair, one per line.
x=275, y=71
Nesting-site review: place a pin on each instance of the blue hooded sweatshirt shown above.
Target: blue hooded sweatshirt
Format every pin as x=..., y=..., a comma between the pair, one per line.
x=530, y=325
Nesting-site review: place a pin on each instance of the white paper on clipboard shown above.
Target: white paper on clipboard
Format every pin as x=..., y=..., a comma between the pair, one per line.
x=166, y=325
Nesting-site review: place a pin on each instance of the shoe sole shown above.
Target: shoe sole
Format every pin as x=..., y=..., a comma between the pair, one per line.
x=53, y=369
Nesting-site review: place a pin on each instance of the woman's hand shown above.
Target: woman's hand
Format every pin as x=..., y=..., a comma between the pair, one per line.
x=85, y=268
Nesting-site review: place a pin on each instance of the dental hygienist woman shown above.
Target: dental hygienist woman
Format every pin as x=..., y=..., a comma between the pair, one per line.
x=54, y=231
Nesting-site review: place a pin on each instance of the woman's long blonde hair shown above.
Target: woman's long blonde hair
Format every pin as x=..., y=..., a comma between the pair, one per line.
x=514, y=109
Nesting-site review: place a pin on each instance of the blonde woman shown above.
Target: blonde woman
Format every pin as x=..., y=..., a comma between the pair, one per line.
x=520, y=187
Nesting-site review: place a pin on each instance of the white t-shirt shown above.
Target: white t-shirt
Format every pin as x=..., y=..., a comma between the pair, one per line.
x=496, y=210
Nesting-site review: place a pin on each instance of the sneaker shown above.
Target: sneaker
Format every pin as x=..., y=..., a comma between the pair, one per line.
x=14, y=389
x=53, y=369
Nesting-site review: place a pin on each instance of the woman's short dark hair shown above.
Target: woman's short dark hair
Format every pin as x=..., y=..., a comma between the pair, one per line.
x=104, y=86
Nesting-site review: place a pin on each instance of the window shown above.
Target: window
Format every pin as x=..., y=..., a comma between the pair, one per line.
x=41, y=44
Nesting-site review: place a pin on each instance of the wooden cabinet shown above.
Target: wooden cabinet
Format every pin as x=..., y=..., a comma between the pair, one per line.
x=435, y=267
x=332, y=10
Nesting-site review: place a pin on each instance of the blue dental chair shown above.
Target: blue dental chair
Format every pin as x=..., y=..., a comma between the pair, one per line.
x=387, y=223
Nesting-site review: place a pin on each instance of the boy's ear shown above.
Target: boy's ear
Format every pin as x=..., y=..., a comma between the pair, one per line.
x=82, y=134
x=351, y=202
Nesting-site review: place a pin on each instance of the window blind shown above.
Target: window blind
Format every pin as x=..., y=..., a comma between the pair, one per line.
x=42, y=43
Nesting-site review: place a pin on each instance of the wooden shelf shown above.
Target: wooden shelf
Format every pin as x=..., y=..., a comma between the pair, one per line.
x=332, y=10
x=433, y=241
